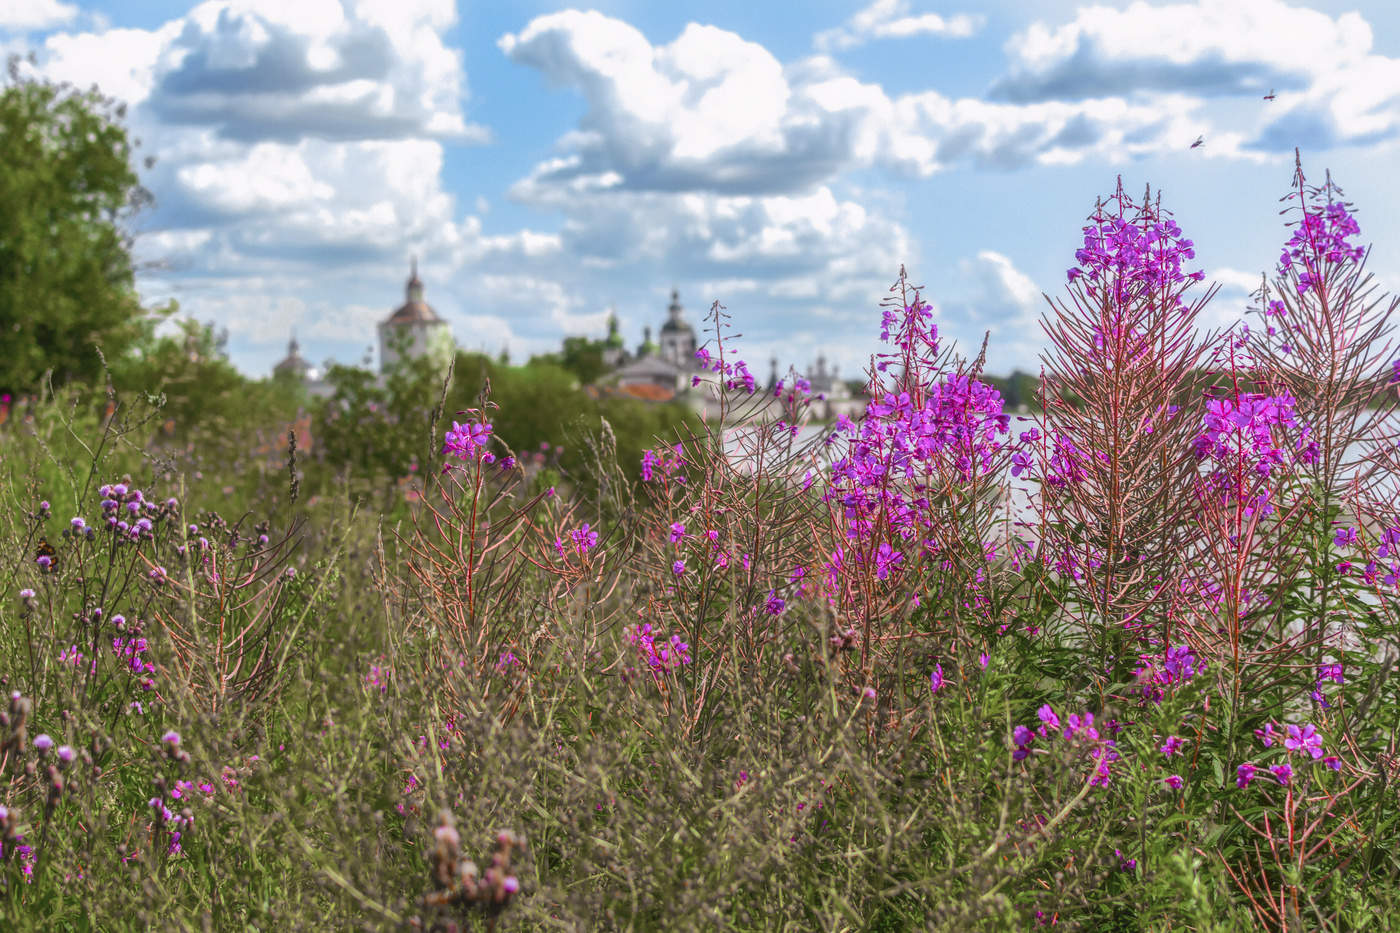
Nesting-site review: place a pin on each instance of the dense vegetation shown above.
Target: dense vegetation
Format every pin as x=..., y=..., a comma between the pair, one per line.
x=658, y=685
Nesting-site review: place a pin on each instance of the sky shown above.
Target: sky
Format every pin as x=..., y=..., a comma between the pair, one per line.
x=548, y=163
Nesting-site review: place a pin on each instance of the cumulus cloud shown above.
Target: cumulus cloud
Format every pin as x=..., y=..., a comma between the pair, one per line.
x=712, y=112
x=256, y=70
x=1206, y=48
x=24, y=15
x=1329, y=88
x=891, y=19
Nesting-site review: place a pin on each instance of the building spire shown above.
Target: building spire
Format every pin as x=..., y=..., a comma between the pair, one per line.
x=414, y=289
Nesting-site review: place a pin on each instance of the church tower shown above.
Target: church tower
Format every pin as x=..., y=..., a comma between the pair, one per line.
x=414, y=330
x=678, y=343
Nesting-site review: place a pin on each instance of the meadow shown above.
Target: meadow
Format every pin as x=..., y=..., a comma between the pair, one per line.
x=834, y=686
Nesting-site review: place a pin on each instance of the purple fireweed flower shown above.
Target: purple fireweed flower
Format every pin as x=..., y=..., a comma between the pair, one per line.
x=1081, y=725
x=1304, y=738
x=1333, y=762
x=1180, y=664
x=1332, y=672
x=584, y=538
x=1050, y=722
x=1172, y=745
x=1282, y=771
x=467, y=441
x=886, y=558
x=1266, y=734
x=678, y=567
x=1344, y=536
x=775, y=604
x=1244, y=774
x=935, y=680
x=677, y=532
x=1173, y=781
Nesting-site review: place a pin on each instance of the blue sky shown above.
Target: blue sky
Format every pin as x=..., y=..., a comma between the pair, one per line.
x=548, y=162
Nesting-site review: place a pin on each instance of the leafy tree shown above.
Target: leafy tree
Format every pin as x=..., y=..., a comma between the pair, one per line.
x=67, y=193
x=191, y=372
x=580, y=356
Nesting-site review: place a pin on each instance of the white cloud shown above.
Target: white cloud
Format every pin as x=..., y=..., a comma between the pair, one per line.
x=891, y=19
x=1329, y=89
x=24, y=15
x=266, y=69
x=711, y=112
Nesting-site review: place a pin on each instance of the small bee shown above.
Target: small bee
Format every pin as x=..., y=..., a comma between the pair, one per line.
x=1200, y=140
x=46, y=550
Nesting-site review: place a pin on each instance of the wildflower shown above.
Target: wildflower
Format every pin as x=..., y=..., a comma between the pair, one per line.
x=467, y=441
x=1077, y=725
x=677, y=532
x=936, y=681
x=65, y=753
x=1173, y=781
x=584, y=538
x=42, y=742
x=775, y=605
x=886, y=559
x=1172, y=746
x=1283, y=772
x=1266, y=734
x=1333, y=762
x=678, y=567
x=1047, y=716
x=1304, y=739
x=171, y=738
x=1332, y=672
x=1245, y=774
x=1344, y=537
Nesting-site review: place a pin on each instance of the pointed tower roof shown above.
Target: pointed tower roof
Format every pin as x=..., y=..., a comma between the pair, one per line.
x=675, y=317
x=414, y=310
x=294, y=362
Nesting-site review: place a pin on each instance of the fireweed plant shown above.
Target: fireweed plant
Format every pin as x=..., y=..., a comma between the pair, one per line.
x=1123, y=664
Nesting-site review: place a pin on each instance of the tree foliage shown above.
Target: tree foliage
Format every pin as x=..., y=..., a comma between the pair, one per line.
x=67, y=193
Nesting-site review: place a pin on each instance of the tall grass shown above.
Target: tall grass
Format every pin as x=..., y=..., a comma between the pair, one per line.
x=834, y=685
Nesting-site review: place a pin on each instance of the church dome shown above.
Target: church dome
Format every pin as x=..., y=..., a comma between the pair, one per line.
x=614, y=341
x=295, y=363
x=414, y=310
